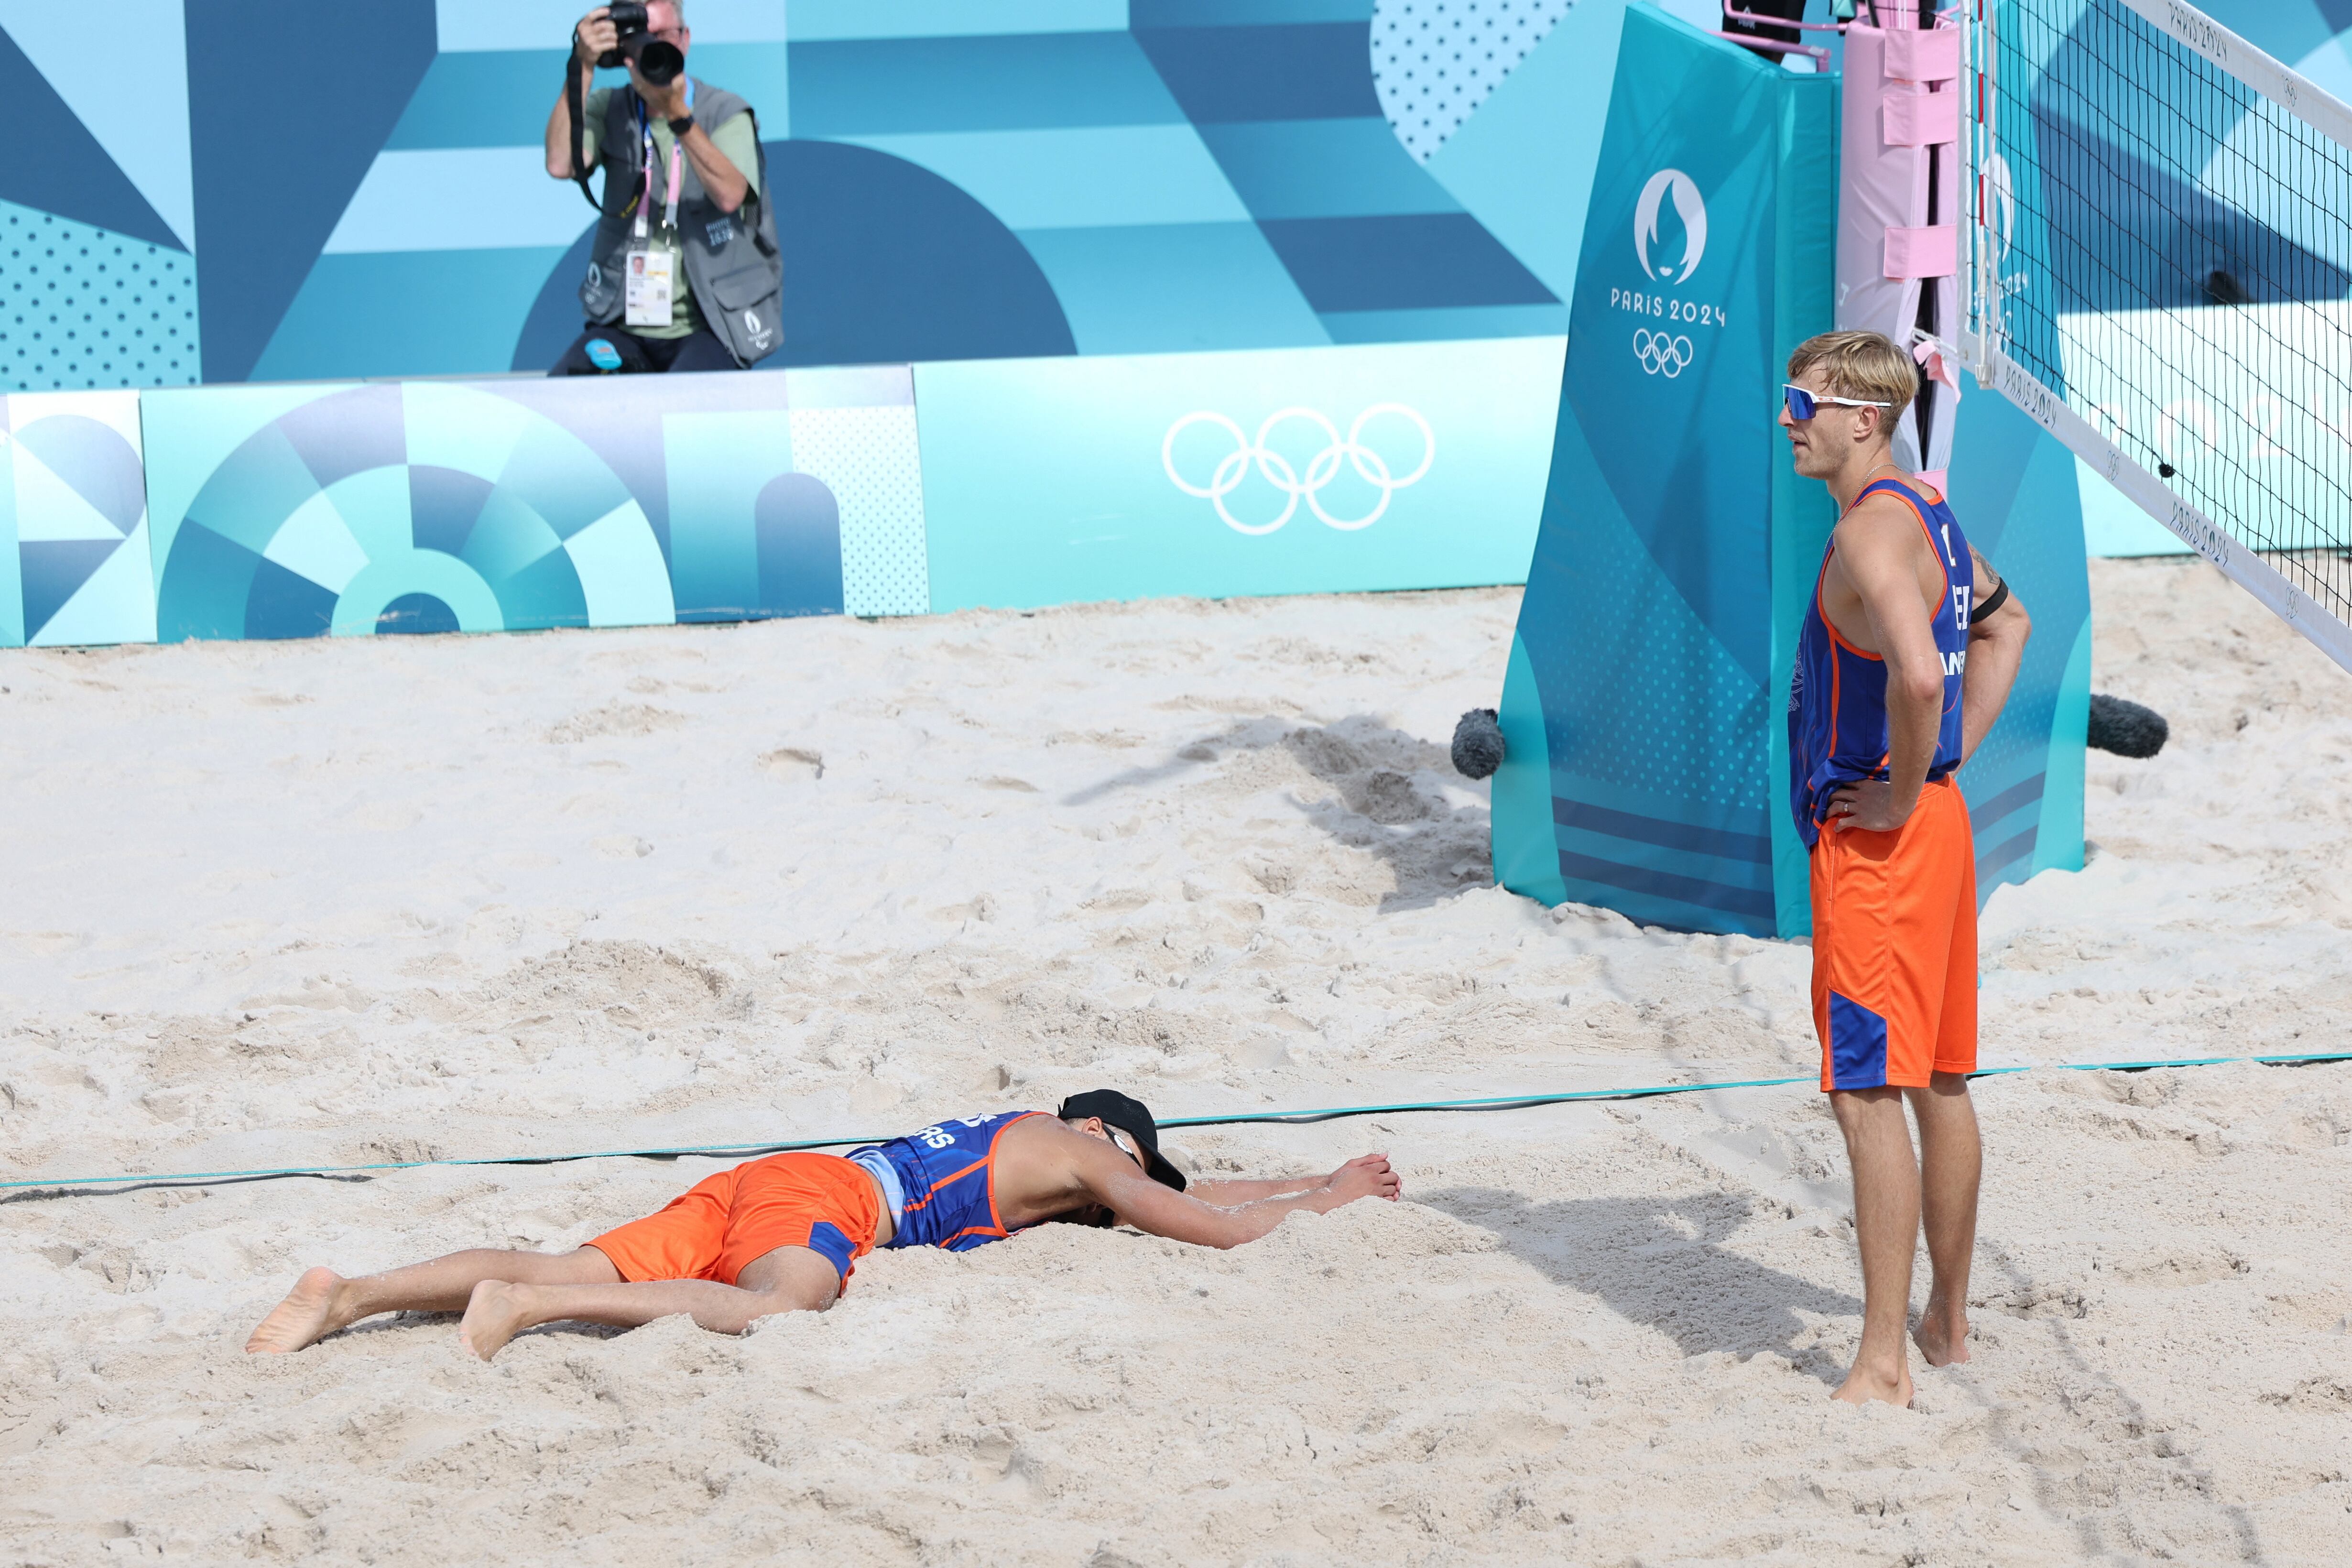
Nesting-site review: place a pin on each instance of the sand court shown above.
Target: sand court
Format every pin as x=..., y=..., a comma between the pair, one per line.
x=344, y=902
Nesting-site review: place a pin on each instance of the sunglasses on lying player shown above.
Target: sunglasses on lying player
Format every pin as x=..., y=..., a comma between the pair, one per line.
x=1803, y=405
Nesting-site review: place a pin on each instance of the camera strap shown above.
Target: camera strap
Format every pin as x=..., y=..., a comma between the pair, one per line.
x=573, y=106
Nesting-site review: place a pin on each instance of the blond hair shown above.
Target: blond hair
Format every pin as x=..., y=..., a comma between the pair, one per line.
x=1865, y=365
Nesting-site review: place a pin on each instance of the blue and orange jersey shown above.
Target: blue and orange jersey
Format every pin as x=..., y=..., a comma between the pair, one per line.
x=947, y=1175
x=1837, y=702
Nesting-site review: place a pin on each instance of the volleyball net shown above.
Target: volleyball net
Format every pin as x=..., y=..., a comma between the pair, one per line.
x=2159, y=271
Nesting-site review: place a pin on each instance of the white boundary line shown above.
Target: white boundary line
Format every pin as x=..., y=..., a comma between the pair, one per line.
x=2289, y=89
x=2241, y=565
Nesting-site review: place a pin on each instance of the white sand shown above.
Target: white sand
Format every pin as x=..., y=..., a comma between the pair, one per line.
x=346, y=902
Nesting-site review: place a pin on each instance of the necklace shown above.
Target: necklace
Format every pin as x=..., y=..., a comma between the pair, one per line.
x=1865, y=484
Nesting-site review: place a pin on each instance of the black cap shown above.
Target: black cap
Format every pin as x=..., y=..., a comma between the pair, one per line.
x=1131, y=1117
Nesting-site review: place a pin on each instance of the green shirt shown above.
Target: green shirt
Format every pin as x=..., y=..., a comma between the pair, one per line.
x=737, y=139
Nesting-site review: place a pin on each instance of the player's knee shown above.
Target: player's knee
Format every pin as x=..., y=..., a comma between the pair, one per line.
x=775, y=1302
x=1854, y=1105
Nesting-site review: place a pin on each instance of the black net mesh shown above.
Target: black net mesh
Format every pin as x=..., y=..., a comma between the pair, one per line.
x=2171, y=252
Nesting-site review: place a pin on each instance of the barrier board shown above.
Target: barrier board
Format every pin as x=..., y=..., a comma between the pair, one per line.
x=1277, y=471
x=524, y=503
x=73, y=521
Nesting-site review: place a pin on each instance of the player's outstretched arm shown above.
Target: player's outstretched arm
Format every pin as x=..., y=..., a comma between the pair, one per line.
x=1229, y=1194
x=1995, y=648
x=1141, y=1202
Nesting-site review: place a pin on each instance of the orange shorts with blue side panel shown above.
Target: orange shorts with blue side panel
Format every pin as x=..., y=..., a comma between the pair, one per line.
x=1894, y=948
x=820, y=1202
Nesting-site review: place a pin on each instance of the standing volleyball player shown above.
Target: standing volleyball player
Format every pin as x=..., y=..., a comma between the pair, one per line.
x=1908, y=651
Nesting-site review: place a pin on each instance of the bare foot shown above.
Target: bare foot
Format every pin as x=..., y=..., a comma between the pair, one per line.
x=1861, y=1388
x=496, y=1312
x=1943, y=1338
x=312, y=1311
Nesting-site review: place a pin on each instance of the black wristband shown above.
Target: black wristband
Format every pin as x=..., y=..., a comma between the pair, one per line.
x=682, y=125
x=1992, y=601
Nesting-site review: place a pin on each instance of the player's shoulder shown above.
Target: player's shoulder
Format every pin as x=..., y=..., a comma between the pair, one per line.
x=1883, y=518
x=1033, y=1126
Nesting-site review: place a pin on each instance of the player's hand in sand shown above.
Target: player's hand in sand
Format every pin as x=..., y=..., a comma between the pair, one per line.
x=1867, y=805
x=1366, y=1176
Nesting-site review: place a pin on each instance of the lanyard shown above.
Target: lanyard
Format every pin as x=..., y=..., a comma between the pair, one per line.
x=645, y=142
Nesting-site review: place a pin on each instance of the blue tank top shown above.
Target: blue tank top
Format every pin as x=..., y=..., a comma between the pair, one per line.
x=947, y=1175
x=1837, y=702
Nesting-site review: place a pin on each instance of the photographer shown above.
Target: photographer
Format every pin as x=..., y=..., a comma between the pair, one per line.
x=684, y=272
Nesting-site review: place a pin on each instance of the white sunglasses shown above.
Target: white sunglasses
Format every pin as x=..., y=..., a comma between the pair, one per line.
x=1800, y=404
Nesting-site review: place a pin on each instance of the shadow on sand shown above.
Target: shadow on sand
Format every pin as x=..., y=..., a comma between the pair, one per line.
x=1389, y=798
x=1660, y=1262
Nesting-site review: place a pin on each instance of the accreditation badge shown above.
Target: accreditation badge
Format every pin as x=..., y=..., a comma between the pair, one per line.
x=650, y=288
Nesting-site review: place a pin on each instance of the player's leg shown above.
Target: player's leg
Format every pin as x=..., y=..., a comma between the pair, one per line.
x=323, y=1301
x=1951, y=1153
x=1886, y=1230
x=1860, y=991
x=789, y=1279
x=1952, y=1160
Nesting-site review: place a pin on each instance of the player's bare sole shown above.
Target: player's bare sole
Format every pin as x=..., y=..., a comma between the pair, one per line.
x=309, y=1313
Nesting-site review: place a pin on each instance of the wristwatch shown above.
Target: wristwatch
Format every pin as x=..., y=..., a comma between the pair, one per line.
x=682, y=125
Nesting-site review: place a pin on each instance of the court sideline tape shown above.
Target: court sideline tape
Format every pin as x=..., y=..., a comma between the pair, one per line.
x=75, y=1186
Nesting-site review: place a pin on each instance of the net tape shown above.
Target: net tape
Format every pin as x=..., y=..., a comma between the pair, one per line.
x=2162, y=250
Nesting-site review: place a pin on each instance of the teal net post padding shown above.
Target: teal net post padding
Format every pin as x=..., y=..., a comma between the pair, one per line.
x=2017, y=492
x=1655, y=640
x=1643, y=711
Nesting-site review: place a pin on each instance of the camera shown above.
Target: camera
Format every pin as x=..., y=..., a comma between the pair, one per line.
x=658, y=61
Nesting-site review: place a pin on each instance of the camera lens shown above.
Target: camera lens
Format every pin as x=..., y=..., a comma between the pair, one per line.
x=659, y=62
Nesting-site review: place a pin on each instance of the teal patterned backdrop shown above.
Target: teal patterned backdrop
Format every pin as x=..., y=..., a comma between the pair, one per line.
x=954, y=179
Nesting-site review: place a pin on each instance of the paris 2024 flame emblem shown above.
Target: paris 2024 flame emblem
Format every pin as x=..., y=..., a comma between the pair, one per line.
x=1669, y=240
x=1670, y=227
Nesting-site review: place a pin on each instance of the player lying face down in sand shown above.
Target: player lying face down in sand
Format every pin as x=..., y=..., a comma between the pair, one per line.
x=783, y=1233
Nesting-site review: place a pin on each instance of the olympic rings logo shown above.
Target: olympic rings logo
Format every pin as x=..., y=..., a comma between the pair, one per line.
x=1235, y=467
x=1662, y=354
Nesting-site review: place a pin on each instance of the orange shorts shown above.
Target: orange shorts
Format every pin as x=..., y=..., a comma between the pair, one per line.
x=820, y=1202
x=1894, y=948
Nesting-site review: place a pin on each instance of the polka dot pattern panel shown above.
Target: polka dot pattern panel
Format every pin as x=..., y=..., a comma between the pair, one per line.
x=870, y=459
x=84, y=308
x=1434, y=61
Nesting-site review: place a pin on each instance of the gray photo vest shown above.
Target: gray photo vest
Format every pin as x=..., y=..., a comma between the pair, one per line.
x=732, y=263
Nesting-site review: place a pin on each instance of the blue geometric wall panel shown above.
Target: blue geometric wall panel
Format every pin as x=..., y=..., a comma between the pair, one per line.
x=952, y=180
x=74, y=565
x=339, y=76
x=87, y=308
x=64, y=171
x=1435, y=61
